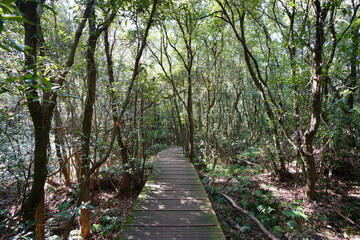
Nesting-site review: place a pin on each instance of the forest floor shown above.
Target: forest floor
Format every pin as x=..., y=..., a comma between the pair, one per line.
x=108, y=209
x=281, y=205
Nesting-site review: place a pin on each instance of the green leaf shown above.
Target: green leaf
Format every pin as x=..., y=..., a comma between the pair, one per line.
x=96, y=228
x=288, y=213
x=5, y=4
x=16, y=18
x=17, y=45
x=11, y=17
x=46, y=81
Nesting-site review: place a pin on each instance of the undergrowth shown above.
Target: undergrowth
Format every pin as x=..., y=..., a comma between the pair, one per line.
x=284, y=219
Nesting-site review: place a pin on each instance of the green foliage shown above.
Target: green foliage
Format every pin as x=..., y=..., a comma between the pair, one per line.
x=295, y=213
x=294, y=216
x=96, y=228
x=9, y=16
x=275, y=215
x=116, y=169
x=109, y=222
x=66, y=209
x=23, y=233
x=251, y=153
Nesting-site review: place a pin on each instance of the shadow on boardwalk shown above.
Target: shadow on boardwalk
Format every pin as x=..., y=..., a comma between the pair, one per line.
x=173, y=204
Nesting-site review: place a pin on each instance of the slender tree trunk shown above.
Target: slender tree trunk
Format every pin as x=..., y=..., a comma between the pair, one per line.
x=87, y=125
x=317, y=77
x=181, y=127
x=352, y=83
x=59, y=144
x=353, y=65
x=32, y=205
x=126, y=183
x=191, y=118
x=41, y=110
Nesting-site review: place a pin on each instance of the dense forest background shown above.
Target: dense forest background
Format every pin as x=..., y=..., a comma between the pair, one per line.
x=263, y=96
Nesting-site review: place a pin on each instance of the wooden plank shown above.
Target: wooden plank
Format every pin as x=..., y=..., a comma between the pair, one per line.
x=173, y=166
x=184, y=233
x=172, y=177
x=174, y=171
x=160, y=194
x=171, y=218
x=175, y=181
x=172, y=204
x=174, y=186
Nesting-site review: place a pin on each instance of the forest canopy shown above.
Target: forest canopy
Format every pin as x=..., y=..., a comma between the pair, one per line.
x=97, y=88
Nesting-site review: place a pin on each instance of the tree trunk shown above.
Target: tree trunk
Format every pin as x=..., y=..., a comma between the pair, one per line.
x=40, y=218
x=191, y=119
x=126, y=183
x=352, y=83
x=181, y=127
x=41, y=113
x=87, y=125
x=59, y=143
x=317, y=77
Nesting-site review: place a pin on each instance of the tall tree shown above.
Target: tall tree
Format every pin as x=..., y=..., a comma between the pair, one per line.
x=41, y=101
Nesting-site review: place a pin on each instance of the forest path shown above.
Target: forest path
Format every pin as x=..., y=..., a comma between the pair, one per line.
x=173, y=204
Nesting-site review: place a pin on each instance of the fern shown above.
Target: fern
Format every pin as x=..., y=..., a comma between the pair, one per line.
x=264, y=209
x=296, y=213
x=277, y=230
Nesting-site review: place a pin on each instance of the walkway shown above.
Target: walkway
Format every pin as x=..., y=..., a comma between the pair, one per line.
x=173, y=204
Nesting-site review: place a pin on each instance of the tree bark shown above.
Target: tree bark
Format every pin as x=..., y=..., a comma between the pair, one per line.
x=59, y=144
x=87, y=124
x=191, y=118
x=352, y=83
x=317, y=78
x=41, y=113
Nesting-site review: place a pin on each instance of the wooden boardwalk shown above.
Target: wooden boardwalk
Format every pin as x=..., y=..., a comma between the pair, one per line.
x=173, y=204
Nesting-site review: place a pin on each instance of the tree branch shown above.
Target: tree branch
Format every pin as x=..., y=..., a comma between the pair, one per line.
x=254, y=219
